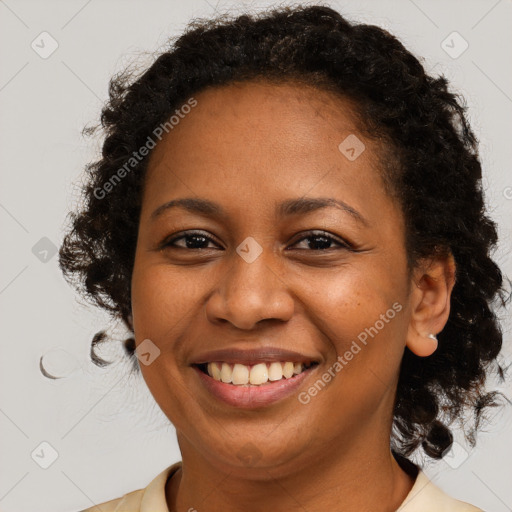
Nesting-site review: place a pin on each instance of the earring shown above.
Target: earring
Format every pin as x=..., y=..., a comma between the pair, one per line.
x=433, y=337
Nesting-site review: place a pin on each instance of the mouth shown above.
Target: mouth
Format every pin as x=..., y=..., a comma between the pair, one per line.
x=253, y=386
x=260, y=374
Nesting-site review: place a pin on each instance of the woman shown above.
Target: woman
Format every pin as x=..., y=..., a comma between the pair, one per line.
x=288, y=216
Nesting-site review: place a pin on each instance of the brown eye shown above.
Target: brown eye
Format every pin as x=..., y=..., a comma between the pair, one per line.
x=322, y=241
x=193, y=240
x=318, y=241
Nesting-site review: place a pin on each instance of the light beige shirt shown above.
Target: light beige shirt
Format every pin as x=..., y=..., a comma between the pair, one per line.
x=423, y=497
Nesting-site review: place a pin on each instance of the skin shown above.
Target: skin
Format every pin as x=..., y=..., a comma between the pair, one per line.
x=248, y=147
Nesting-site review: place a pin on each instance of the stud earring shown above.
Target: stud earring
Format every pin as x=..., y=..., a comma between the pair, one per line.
x=435, y=343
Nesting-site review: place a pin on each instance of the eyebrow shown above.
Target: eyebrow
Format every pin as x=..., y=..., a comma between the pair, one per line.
x=286, y=208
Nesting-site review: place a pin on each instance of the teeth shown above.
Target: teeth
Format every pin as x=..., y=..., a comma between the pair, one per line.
x=240, y=374
x=256, y=375
x=275, y=371
x=214, y=370
x=288, y=370
x=226, y=373
x=259, y=374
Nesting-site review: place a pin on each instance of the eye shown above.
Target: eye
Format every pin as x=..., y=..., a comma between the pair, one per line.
x=196, y=238
x=321, y=241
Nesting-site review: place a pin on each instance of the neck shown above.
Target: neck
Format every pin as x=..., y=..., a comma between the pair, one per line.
x=356, y=480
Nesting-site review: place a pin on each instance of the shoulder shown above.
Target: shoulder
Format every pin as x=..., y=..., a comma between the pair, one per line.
x=148, y=499
x=131, y=500
x=425, y=496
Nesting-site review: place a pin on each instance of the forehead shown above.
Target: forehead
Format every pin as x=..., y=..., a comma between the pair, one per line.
x=274, y=115
x=263, y=141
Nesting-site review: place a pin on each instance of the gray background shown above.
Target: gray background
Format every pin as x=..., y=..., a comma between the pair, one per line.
x=108, y=434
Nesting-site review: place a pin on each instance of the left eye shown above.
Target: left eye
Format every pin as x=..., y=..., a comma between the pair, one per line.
x=321, y=241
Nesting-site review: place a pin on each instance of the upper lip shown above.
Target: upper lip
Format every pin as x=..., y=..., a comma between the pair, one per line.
x=253, y=356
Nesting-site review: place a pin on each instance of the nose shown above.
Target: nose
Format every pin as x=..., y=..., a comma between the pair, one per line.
x=248, y=293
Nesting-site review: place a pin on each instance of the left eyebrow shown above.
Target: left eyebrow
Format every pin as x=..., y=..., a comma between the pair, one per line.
x=305, y=205
x=286, y=208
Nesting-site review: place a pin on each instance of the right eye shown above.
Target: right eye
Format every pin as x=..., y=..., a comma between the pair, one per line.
x=197, y=238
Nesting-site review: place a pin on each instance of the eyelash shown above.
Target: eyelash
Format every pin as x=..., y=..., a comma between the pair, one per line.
x=168, y=242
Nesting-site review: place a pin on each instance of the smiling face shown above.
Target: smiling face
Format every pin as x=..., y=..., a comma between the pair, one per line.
x=324, y=275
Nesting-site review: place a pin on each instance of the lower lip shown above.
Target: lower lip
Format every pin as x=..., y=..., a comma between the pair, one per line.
x=249, y=397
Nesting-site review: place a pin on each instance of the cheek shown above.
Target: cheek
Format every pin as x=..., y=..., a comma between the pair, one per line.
x=161, y=298
x=361, y=317
x=352, y=298
x=361, y=312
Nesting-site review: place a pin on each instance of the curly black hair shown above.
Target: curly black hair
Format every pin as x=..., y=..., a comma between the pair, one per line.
x=431, y=167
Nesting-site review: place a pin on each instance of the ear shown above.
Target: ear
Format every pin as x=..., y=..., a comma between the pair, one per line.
x=432, y=285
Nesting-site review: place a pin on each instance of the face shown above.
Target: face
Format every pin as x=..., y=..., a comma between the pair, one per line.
x=329, y=283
